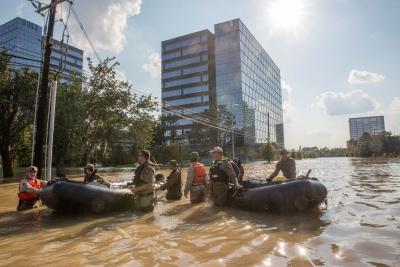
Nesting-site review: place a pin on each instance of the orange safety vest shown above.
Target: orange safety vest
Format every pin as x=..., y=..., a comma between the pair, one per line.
x=199, y=174
x=26, y=196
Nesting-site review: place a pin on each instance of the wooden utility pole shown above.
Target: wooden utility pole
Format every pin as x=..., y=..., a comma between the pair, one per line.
x=42, y=108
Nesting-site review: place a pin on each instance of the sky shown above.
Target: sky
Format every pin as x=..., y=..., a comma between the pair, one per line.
x=338, y=59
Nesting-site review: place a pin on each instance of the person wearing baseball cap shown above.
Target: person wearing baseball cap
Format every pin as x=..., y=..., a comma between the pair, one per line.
x=174, y=182
x=221, y=174
x=287, y=165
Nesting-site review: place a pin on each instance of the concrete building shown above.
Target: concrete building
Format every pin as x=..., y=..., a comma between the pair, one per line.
x=373, y=125
x=23, y=39
x=227, y=70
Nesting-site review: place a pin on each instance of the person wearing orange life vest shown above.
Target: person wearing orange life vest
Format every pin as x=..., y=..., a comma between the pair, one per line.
x=196, y=182
x=29, y=189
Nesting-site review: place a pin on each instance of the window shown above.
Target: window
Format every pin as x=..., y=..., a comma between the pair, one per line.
x=171, y=55
x=195, y=69
x=171, y=74
x=182, y=62
x=179, y=82
x=170, y=93
x=184, y=101
x=182, y=43
x=195, y=89
x=192, y=50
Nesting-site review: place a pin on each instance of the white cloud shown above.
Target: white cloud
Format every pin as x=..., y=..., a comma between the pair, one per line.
x=153, y=66
x=363, y=76
x=287, y=103
x=340, y=103
x=394, y=107
x=105, y=22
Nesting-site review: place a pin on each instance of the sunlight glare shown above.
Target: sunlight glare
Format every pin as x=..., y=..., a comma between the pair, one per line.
x=286, y=15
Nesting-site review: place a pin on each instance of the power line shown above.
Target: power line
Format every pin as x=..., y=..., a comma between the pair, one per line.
x=84, y=32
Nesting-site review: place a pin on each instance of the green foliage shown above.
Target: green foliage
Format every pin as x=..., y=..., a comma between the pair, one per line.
x=268, y=152
x=93, y=114
x=377, y=145
x=17, y=99
x=163, y=154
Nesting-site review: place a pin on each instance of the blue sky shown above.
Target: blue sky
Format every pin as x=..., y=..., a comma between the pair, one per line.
x=338, y=59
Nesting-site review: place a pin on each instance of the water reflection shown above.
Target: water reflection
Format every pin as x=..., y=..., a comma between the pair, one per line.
x=360, y=227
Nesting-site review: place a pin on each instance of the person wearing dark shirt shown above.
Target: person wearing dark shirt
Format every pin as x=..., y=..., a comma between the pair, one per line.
x=174, y=182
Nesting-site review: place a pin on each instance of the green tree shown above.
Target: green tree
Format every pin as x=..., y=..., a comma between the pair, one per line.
x=17, y=100
x=93, y=112
x=269, y=152
x=364, y=145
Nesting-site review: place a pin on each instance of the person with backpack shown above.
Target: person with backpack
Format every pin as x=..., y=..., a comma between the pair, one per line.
x=196, y=182
x=221, y=174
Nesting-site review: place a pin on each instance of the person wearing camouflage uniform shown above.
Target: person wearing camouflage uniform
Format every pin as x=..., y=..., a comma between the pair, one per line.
x=144, y=183
x=221, y=174
x=174, y=182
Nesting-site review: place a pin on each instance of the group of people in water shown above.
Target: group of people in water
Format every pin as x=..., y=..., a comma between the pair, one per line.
x=223, y=174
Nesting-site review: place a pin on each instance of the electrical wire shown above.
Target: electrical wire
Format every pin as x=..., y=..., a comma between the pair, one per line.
x=178, y=111
x=84, y=32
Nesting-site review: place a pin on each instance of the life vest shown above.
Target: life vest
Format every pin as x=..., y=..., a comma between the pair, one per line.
x=137, y=180
x=218, y=175
x=199, y=174
x=26, y=196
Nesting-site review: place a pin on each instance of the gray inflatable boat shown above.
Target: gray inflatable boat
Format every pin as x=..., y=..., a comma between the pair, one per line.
x=74, y=196
x=286, y=197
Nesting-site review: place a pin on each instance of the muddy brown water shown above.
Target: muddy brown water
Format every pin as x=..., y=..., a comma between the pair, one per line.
x=361, y=227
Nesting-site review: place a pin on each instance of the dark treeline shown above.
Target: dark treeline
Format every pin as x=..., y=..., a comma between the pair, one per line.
x=385, y=145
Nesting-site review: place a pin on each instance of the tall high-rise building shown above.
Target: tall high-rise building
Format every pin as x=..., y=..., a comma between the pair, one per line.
x=188, y=80
x=228, y=70
x=23, y=39
x=373, y=125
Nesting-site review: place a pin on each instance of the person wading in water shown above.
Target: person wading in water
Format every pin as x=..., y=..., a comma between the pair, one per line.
x=174, y=182
x=29, y=190
x=196, y=182
x=221, y=174
x=144, y=182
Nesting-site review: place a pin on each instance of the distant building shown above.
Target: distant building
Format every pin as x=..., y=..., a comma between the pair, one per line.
x=226, y=70
x=23, y=39
x=373, y=125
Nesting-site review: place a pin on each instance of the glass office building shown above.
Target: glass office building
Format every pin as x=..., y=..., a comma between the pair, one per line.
x=373, y=125
x=23, y=39
x=247, y=82
x=188, y=81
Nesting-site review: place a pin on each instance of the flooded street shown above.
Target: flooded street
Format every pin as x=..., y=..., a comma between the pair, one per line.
x=361, y=227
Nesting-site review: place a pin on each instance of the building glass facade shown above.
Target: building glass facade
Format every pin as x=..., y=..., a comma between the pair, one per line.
x=372, y=125
x=247, y=81
x=23, y=38
x=248, y=84
x=188, y=81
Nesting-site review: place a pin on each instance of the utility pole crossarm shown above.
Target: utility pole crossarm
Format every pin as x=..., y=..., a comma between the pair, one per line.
x=53, y=3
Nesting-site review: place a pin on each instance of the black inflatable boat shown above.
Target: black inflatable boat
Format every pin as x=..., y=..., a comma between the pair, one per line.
x=73, y=196
x=289, y=196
